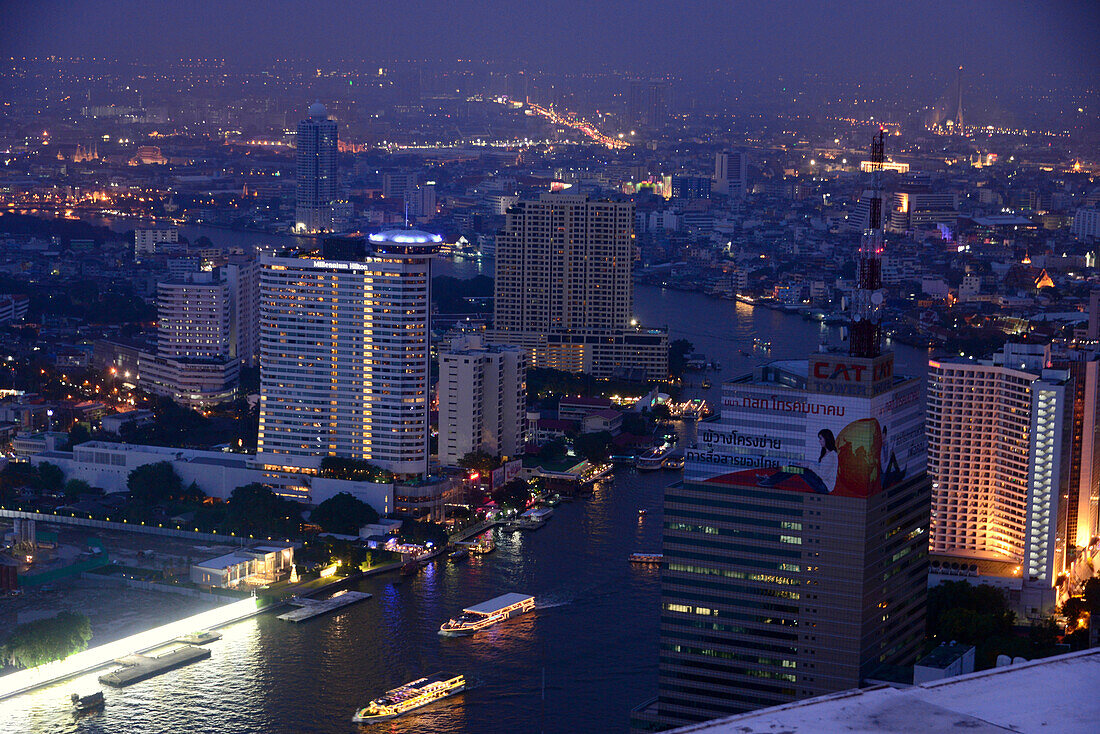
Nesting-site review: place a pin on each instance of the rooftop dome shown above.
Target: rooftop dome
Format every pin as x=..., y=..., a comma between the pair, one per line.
x=406, y=237
x=317, y=110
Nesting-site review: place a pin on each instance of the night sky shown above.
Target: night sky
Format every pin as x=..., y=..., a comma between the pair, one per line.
x=1024, y=40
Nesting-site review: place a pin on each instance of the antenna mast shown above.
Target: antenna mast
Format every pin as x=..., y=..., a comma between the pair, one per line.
x=866, y=336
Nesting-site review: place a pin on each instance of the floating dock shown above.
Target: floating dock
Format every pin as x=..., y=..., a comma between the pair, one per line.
x=140, y=667
x=310, y=608
x=199, y=638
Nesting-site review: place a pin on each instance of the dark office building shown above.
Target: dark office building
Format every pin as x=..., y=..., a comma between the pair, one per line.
x=795, y=548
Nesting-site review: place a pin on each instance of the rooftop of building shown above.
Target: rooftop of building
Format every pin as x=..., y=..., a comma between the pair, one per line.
x=944, y=655
x=1054, y=693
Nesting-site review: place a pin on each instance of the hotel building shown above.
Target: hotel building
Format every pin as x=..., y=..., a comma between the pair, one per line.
x=482, y=400
x=1000, y=455
x=344, y=352
x=565, y=292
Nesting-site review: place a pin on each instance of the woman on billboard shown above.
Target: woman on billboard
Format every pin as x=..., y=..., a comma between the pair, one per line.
x=821, y=477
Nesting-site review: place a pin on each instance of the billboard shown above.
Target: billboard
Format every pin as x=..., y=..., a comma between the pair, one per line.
x=827, y=444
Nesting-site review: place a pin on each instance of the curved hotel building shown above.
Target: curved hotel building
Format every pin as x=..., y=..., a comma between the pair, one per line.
x=345, y=350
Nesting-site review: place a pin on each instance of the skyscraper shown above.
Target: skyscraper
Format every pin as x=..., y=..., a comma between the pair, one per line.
x=482, y=400
x=344, y=352
x=564, y=288
x=795, y=549
x=1000, y=439
x=647, y=102
x=316, y=171
x=731, y=173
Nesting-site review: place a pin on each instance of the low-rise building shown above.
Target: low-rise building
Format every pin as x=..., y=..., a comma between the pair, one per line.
x=257, y=565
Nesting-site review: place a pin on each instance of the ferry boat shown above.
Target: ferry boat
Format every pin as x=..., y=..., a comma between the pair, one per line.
x=411, y=696
x=488, y=613
x=654, y=458
x=647, y=559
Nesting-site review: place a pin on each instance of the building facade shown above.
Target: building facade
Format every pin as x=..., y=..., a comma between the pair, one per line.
x=564, y=288
x=344, y=352
x=316, y=171
x=1000, y=436
x=482, y=400
x=795, y=548
x=731, y=173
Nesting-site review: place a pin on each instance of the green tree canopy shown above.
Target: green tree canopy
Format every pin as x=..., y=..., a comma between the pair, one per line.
x=356, y=470
x=593, y=446
x=45, y=640
x=51, y=476
x=513, y=495
x=480, y=461
x=343, y=514
x=76, y=487
x=553, y=450
x=678, y=351
x=154, y=484
x=255, y=509
x=422, y=532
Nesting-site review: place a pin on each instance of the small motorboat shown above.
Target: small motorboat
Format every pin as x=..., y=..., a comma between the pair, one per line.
x=86, y=703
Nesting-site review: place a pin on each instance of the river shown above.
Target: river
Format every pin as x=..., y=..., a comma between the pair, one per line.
x=592, y=638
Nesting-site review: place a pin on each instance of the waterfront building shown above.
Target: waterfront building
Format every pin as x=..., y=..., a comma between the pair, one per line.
x=1000, y=454
x=344, y=352
x=316, y=171
x=146, y=240
x=564, y=288
x=731, y=173
x=482, y=400
x=256, y=565
x=795, y=548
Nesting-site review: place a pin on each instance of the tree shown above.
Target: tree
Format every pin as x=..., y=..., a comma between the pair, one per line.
x=552, y=450
x=480, y=461
x=50, y=476
x=677, y=356
x=255, y=509
x=45, y=640
x=79, y=434
x=513, y=495
x=593, y=446
x=960, y=611
x=422, y=532
x=76, y=487
x=356, y=470
x=153, y=484
x=343, y=514
x=635, y=424
x=661, y=412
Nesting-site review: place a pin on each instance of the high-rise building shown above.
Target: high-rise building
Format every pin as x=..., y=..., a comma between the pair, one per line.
x=146, y=240
x=564, y=288
x=193, y=316
x=316, y=171
x=482, y=400
x=647, y=102
x=731, y=173
x=344, y=352
x=795, y=549
x=1000, y=454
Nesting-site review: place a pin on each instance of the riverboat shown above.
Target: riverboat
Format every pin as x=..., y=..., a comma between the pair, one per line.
x=412, y=695
x=647, y=559
x=486, y=614
x=654, y=458
x=675, y=461
x=459, y=555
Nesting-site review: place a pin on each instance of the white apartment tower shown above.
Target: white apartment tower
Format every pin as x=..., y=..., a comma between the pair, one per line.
x=564, y=288
x=193, y=317
x=316, y=171
x=731, y=172
x=344, y=352
x=1000, y=433
x=482, y=400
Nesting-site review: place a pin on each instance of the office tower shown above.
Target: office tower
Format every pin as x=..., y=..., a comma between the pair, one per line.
x=731, y=173
x=795, y=548
x=1000, y=437
x=316, y=178
x=647, y=102
x=398, y=184
x=482, y=399
x=344, y=352
x=915, y=207
x=564, y=289
x=691, y=187
x=242, y=276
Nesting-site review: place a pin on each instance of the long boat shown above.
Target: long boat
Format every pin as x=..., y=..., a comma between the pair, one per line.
x=486, y=614
x=654, y=458
x=412, y=695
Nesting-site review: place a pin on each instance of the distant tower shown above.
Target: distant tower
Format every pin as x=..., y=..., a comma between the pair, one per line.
x=316, y=181
x=959, y=101
x=866, y=337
